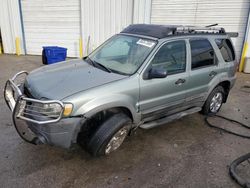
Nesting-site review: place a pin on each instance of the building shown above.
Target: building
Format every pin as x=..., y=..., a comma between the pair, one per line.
x=82, y=25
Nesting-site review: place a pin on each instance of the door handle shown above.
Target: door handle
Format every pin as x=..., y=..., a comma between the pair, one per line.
x=212, y=74
x=180, y=81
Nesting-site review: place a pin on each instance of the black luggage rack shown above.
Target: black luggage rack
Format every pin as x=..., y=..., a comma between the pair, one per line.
x=204, y=30
x=198, y=30
x=163, y=31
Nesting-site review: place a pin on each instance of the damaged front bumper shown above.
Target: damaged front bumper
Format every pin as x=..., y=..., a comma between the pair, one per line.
x=32, y=119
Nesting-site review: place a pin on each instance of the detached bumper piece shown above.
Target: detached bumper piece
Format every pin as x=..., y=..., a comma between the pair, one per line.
x=27, y=111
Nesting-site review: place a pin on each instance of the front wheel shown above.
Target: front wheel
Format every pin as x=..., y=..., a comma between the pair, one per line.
x=110, y=136
x=214, y=101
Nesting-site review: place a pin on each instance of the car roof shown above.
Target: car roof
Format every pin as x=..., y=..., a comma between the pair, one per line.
x=163, y=31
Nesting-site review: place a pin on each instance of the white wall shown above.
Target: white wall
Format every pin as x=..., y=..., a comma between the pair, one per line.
x=51, y=23
x=102, y=19
x=64, y=22
x=230, y=14
x=142, y=11
x=10, y=25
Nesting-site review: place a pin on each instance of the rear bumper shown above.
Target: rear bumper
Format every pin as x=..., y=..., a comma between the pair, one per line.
x=38, y=127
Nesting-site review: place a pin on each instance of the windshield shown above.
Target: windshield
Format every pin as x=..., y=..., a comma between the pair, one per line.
x=123, y=54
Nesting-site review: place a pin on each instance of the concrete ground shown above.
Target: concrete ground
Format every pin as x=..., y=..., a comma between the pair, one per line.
x=184, y=153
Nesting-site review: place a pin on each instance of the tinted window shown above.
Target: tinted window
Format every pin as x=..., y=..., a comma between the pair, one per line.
x=202, y=53
x=172, y=57
x=226, y=49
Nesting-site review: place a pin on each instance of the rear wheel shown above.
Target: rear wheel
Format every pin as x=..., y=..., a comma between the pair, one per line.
x=214, y=101
x=110, y=135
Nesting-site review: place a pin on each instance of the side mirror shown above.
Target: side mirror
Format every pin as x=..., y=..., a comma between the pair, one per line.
x=157, y=72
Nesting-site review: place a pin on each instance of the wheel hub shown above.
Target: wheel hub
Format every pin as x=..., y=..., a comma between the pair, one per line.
x=116, y=141
x=216, y=102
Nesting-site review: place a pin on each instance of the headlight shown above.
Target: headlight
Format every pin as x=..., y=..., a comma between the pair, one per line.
x=53, y=109
x=56, y=108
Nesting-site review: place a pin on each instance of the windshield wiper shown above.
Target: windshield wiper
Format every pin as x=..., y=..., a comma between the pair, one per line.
x=95, y=64
x=89, y=61
x=102, y=66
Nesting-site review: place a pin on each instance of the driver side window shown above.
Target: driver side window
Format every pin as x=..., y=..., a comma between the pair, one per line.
x=172, y=57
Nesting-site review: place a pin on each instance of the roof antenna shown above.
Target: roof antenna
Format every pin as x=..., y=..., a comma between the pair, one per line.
x=212, y=25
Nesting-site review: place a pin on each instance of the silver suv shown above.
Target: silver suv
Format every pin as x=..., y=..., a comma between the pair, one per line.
x=145, y=76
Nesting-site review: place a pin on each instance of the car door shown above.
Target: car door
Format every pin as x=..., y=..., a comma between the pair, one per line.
x=202, y=71
x=162, y=96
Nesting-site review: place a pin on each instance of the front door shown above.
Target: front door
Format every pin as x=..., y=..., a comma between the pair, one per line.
x=162, y=96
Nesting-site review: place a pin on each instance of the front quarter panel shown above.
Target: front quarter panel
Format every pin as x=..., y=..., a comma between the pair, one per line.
x=122, y=93
x=107, y=102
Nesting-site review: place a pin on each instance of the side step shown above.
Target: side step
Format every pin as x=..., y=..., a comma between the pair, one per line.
x=169, y=118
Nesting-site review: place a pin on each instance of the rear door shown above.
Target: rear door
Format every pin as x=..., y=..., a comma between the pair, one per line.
x=202, y=70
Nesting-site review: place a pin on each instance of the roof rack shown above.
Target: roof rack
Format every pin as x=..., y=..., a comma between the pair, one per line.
x=196, y=29
x=162, y=31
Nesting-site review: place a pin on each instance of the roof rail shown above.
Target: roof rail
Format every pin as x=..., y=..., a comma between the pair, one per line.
x=233, y=34
x=212, y=25
x=197, y=29
x=162, y=31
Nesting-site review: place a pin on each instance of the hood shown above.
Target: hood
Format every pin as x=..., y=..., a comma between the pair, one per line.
x=61, y=80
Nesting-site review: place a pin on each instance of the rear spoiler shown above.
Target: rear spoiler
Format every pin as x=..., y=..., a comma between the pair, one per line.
x=233, y=34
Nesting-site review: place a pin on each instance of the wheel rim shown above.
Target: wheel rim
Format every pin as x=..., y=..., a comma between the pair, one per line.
x=117, y=140
x=216, y=102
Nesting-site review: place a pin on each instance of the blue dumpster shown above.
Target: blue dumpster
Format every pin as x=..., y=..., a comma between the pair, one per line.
x=53, y=54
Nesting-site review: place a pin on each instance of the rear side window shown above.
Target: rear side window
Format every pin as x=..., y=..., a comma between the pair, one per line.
x=202, y=53
x=226, y=49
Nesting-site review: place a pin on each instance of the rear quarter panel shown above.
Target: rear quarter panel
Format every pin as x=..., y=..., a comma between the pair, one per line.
x=225, y=70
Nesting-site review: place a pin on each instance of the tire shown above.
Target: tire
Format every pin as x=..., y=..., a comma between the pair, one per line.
x=206, y=109
x=101, y=139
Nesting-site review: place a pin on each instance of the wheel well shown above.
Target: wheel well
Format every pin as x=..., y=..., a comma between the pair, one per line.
x=92, y=124
x=226, y=87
